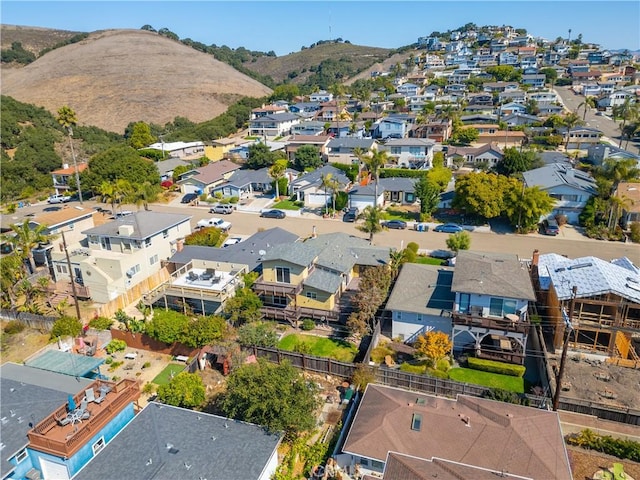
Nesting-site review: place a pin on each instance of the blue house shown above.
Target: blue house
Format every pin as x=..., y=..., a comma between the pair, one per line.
x=54, y=424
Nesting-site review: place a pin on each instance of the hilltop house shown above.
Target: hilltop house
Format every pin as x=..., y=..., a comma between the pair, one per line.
x=392, y=437
x=311, y=279
x=606, y=312
x=490, y=311
x=62, y=176
x=273, y=125
x=570, y=188
x=123, y=253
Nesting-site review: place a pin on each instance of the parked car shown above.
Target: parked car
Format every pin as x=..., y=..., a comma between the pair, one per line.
x=231, y=241
x=351, y=215
x=123, y=213
x=166, y=183
x=273, y=214
x=448, y=228
x=58, y=198
x=189, y=197
x=395, y=224
x=222, y=208
x=214, y=222
x=550, y=227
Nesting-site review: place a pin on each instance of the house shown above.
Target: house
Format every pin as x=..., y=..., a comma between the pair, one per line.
x=409, y=89
x=204, y=179
x=308, y=128
x=597, y=154
x=308, y=187
x=421, y=301
x=591, y=90
x=505, y=138
x=390, y=422
x=395, y=190
x=511, y=108
x=536, y=81
x=166, y=167
x=629, y=195
x=490, y=312
x=489, y=154
x=332, y=112
x=123, y=253
x=606, y=310
x=390, y=127
x=48, y=440
x=544, y=96
x=570, y=188
x=616, y=99
x=580, y=138
x=305, y=107
x=179, y=149
x=321, y=142
x=321, y=96
x=309, y=279
x=273, y=125
x=341, y=150
x=266, y=110
x=519, y=119
x=70, y=220
x=512, y=96
x=344, y=129
x=481, y=98
x=435, y=129
x=216, y=149
x=164, y=441
x=478, y=118
x=492, y=87
x=242, y=183
x=61, y=176
x=550, y=108
x=410, y=152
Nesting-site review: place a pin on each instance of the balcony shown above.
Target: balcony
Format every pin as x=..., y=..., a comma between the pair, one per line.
x=277, y=289
x=492, y=323
x=293, y=314
x=50, y=436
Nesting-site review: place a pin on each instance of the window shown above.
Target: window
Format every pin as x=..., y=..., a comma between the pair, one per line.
x=61, y=269
x=375, y=464
x=106, y=243
x=99, y=445
x=465, y=301
x=21, y=455
x=126, y=246
x=147, y=242
x=153, y=260
x=416, y=422
x=283, y=275
x=311, y=295
x=364, y=462
x=165, y=233
x=500, y=307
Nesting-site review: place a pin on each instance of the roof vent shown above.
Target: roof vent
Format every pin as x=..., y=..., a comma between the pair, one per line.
x=580, y=265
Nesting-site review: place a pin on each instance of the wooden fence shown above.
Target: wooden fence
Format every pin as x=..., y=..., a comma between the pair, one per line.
x=630, y=416
x=134, y=293
x=142, y=341
x=40, y=322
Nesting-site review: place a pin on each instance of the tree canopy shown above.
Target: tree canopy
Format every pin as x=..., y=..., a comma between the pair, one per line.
x=120, y=162
x=184, y=390
x=433, y=345
x=482, y=194
x=275, y=396
x=308, y=157
x=515, y=161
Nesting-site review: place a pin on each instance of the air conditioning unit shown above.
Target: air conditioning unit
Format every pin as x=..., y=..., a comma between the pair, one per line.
x=33, y=474
x=485, y=312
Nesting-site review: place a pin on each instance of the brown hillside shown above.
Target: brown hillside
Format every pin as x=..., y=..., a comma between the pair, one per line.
x=115, y=77
x=33, y=39
x=279, y=68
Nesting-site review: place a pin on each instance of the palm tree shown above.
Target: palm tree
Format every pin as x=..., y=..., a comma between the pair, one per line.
x=336, y=90
x=372, y=217
x=11, y=271
x=25, y=239
x=334, y=185
x=374, y=163
x=144, y=193
x=589, y=102
x=570, y=120
x=326, y=180
x=115, y=193
x=277, y=172
x=625, y=112
x=67, y=118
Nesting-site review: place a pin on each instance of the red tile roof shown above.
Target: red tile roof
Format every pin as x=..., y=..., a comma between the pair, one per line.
x=70, y=170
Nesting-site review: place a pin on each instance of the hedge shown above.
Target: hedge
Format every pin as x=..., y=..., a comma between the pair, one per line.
x=496, y=367
x=621, y=448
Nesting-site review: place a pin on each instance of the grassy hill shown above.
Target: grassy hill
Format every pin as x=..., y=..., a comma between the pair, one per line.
x=33, y=39
x=115, y=77
x=299, y=66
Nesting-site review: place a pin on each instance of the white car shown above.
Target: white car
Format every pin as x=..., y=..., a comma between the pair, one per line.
x=214, y=222
x=231, y=241
x=59, y=198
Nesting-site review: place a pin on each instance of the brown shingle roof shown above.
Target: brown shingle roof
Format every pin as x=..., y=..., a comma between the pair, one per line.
x=65, y=214
x=215, y=171
x=499, y=436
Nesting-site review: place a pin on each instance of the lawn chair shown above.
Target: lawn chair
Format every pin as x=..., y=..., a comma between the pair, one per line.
x=90, y=395
x=83, y=405
x=63, y=421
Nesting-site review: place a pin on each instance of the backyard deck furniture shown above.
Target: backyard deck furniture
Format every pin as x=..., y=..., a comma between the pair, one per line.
x=192, y=277
x=90, y=395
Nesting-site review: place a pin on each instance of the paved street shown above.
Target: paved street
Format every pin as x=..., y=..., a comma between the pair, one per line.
x=569, y=242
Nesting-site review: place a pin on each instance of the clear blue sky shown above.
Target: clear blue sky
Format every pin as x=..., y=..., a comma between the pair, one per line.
x=285, y=27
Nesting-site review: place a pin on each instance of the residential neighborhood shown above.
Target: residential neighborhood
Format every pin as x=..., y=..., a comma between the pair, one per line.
x=429, y=271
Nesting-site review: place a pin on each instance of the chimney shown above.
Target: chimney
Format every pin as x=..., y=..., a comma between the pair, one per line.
x=65, y=165
x=536, y=257
x=179, y=244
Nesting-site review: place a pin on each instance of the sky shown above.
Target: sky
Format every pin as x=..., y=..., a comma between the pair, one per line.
x=286, y=26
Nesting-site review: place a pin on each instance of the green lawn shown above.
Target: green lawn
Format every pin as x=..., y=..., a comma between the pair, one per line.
x=286, y=205
x=321, y=346
x=487, y=379
x=393, y=214
x=165, y=375
x=430, y=261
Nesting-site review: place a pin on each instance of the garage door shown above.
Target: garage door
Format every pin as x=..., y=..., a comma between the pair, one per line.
x=188, y=188
x=53, y=471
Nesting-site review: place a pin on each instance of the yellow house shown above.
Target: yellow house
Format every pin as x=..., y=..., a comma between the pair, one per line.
x=219, y=148
x=307, y=279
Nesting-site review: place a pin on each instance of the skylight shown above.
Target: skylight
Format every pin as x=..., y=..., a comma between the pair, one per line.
x=416, y=422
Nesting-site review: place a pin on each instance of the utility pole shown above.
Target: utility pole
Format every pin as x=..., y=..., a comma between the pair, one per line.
x=75, y=166
x=565, y=346
x=73, y=283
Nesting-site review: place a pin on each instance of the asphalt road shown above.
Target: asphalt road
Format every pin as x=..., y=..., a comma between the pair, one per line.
x=573, y=245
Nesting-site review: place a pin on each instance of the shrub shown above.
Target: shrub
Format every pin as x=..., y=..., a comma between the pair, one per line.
x=205, y=237
x=443, y=365
x=109, y=361
x=413, y=246
x=635, y=232
x=146, y=364
x=308, y=324
x=496, y=367
x=115, y=346
x=149, y=388
x=234, y=200
x=114, y=365
x=418, y=369
x=66, y=327
x=13, y=327
x=432, y=372
x=506, y=396
x=101, y=323
x=621, y=448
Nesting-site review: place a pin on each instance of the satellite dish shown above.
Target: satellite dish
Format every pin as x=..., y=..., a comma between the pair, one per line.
x=262, y=252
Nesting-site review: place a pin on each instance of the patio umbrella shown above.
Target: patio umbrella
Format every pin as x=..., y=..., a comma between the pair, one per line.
x=71, y=402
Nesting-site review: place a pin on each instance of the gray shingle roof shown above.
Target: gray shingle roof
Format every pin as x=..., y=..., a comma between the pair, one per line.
x=28, y=396
x=240, y=178
x=244, y=253
x=397, y=184
x=424, y=289
x=315, y=177
x=560, y=174
x=145, y=224
x=165, y=442
x=499, y=274
x=323, y=280
x=296, y=253
x=350, y=143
